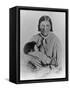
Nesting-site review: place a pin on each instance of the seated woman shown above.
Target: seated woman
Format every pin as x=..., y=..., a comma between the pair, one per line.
x=44, y=50
x=48, y=42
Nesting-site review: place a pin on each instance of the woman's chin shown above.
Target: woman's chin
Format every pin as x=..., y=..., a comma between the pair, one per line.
x=45, y=34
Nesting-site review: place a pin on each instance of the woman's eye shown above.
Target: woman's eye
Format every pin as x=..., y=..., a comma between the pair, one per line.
x=45, y=26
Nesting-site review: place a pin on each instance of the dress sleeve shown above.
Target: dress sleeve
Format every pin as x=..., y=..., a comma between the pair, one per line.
x=56, y=53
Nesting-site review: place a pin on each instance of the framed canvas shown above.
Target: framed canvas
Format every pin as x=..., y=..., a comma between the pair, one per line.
x=38, y=44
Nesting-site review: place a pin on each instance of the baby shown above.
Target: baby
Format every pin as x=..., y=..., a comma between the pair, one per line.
x=33, y=61
x=38, y=59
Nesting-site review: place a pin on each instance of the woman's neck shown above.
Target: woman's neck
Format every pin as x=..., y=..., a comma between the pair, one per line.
x=44, y=36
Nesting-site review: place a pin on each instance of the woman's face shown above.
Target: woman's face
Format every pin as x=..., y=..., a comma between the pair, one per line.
x=45, y=27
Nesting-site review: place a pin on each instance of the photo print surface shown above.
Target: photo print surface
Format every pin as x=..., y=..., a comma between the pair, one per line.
x=42, y=45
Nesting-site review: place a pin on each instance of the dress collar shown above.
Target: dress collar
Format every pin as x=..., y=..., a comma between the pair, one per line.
x=44, y=37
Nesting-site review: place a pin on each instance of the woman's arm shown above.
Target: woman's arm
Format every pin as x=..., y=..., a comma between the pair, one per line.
x=56, y=54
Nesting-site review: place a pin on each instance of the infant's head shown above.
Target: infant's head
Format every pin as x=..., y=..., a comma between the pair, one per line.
x=30, y=47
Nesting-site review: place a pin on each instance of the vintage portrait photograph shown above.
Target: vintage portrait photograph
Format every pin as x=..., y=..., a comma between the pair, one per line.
x=42, y=45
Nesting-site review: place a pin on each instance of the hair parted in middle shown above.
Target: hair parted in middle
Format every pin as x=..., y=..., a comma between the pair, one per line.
x=45, y=18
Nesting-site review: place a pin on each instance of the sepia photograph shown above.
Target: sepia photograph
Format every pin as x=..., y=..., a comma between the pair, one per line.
x=42, y=45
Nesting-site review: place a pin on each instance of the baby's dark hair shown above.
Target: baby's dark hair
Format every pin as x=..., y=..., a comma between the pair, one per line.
x=29, y=47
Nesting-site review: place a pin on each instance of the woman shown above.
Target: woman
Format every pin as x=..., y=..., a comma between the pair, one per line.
x=48, y=43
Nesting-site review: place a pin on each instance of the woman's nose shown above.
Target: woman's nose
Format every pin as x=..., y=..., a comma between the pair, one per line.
x=45, y=28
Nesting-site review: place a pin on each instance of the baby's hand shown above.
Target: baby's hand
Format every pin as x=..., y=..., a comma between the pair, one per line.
x=46, y=60
x=35, y=48
x=38, y=43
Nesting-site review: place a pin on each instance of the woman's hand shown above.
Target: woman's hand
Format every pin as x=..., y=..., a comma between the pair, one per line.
x=46, y=60
x=35, y=60
x=54, y=61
